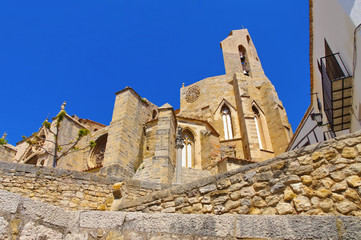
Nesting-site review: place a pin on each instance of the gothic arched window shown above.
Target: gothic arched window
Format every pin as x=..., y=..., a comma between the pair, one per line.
x=259, y=128
x=188, y=149
x=227, y=123
x=97, y=155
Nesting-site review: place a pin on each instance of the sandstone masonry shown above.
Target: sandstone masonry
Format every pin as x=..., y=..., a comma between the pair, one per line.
x=316, y=180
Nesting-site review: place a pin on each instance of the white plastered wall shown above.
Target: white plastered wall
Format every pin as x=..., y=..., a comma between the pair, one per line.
x=335, y=21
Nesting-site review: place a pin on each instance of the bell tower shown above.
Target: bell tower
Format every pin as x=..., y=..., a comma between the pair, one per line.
x=240, y=55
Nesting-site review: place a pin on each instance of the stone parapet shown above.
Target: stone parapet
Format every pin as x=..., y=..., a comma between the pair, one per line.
x=22, y=218
x=65, y=188
x=319, y=179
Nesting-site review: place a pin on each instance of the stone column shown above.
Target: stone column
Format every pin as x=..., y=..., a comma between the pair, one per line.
x=179, y=145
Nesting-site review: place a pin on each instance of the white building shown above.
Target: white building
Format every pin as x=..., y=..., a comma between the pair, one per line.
x=335, y=66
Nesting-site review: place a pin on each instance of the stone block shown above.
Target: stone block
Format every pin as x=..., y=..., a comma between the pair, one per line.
x=354, y=181
x=207, y=188
x=345, y=207
x=304, y=170
x=36, y=231
x=349, y=152
x=102, y=220
x=284, y=208
x=190, y=224
x=9, y=201
x=286, y=227
x=49, y=214
x=350, y=227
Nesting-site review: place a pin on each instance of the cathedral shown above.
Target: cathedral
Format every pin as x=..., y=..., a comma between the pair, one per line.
x=223, y=122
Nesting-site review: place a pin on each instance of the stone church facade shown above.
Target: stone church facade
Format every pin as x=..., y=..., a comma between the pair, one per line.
x=226, y=121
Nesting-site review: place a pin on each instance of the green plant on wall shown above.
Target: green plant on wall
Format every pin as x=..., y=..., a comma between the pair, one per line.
x=3, y=141
x=60, y=150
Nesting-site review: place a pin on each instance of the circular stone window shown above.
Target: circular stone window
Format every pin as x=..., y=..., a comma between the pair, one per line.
x=192, y=94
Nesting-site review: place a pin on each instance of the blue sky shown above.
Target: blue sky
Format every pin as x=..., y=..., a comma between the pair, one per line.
x=83, y=52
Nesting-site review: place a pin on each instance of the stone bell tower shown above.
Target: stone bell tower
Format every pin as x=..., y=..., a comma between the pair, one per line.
x=263, y=120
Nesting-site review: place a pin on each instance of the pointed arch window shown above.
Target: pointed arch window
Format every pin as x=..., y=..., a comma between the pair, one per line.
x=227, y=123
x=188, y=149
x=259, y=128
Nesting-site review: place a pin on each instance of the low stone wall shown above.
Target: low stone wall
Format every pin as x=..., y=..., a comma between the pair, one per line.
x=316, y=180
x=65, y=188
x=23, y=218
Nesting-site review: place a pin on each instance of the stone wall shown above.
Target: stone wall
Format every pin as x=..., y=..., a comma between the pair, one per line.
x=125, y=136
x=65, y=188
x=316, y=180
x=22, y=218
x=7, y=152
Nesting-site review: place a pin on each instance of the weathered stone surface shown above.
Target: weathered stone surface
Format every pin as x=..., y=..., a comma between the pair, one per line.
x=247, y=192
x=320, y=173
x=207, y=208
x=306, y=179
x=330, y=154
x=277, y=188
x=32, y=231
x=322, y=192
x=237, y=186
x=296, y=187
x=208, y=188
x=303, y=170
x=231, y=205
x=338, y=176
x=288, y=195
x=302, y=203
x=169, y=210
x=350, y=227
x=258, y=202
x=9, y=201
x=224, y=183
x=235, y=195
x=206, y=199
x=355, y=168
x=243, y=210
x=272, y=201
x=106, y=220
x=291, y=179
x=326, y=205
x=304, y=160
x=316, y=156
x=298, y=227
x=326, y=182
x=3, y=228
x=259, y=185
x=352, y=194
x=349, y=152
x=341, y=186
x=284, y=208
x=337, y=197
x=354, y=181
x=197, y=207
x=49, y=214
x=346, y=207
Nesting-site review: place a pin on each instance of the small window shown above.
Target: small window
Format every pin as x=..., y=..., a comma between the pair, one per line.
x=154, y=115
x=188, y=149
x=259, y=128
x=227, y=123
